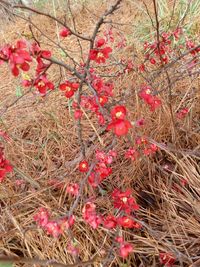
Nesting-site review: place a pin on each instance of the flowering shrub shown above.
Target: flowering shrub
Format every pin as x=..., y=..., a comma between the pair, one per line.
x=90, y=95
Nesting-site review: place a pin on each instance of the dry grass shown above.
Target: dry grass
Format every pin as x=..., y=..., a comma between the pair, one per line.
x=44, y=140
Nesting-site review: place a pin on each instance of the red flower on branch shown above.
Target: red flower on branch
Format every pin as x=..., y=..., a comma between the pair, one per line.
x=53, y=228
x=42, y=217
x=110, y=222
x=83, y=166
x=118, y=112
x=73, y=189
x=127, y=222
x=100, y=55
x=69, y=88
x=5, y=166
x=90, y=216
x=124, y=200
x=65, y=32
x=125, y=249
x=120, y=127
x=43, y=84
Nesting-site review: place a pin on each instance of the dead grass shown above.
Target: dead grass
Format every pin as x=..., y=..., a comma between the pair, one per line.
x=44, y=140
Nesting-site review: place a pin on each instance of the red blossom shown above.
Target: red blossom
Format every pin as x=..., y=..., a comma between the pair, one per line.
x=110, y=222
x=65, y=32
x=90, y=216
x=17, y=57
x=124, y=200
x=120, y=127
x=142, y=68
x=153, y=101
x=78, y=114
x=182, y=113
x=73, y=189
x=53, y=228
x=125, y=249
x=43, y=84
x=83, y=166
x=118, y=112
x=69, y=88
x=100, y=55
x=127, y=222
x=103, y=100
x=167, y=259
x=100, y=42
x=42, y=217
x=132, y=153
x=5, y=166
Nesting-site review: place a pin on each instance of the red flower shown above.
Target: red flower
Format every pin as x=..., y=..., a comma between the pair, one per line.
x=124, y=200
x=43, y=84
x=65, y=32
x=83, y=166
x=110, y=222
x=120, y=127
x=5, y=166
x=53, y=228
x=152, y=101
x=132, y=153
x=125, y=249
x=118, y=112
x=69, y=88
x=42, y=217
x=100, y=42
x=90, y=216
x=100, y=55
x=41, y=66
x=103, y=100
x=127, y=222
x=142, y=68
x=66, y=223
x=17, y=57
x=167, y=259
x=152, y=61
x=46, y=54
x=182, y=113
x=73, y=189
x=78, y=114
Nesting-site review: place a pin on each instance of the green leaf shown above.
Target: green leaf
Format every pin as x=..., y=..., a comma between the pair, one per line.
x=18, y=94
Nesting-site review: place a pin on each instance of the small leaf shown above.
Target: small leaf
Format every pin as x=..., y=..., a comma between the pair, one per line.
x=18, y=94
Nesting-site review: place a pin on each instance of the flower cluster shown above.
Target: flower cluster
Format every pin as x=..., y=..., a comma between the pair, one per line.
x=125, y=248
x=119, y=124
x=72, y=189
x=146, y=94
x=90, y=215
x=41, y=81
x=142, y=147
x=99, y=54
x=5, y=166
x=102, y=169
x=52, y=227
x=17, y=56
x=69, y=88
x=124, y=201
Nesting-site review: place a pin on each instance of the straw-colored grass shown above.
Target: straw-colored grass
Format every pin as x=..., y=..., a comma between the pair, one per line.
x=44, y=140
